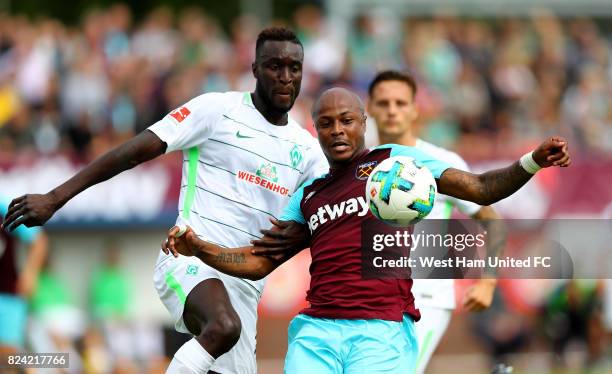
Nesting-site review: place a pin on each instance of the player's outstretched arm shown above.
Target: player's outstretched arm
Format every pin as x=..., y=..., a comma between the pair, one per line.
x=239, y=262
x=281, y=239
x=36, y=209
x=494, y=185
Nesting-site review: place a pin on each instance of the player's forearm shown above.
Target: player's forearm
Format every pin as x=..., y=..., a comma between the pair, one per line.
x=28, y=278
x=501, y=183
x=37, y=254
x=237, y=262
x=487, y=282
x=486, y=213
x=496, y=233
x=486, y=188
x=135, y=151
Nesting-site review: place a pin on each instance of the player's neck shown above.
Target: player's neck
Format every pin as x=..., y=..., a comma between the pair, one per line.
x=275, y=117
x=403, y=139
x=335, y=165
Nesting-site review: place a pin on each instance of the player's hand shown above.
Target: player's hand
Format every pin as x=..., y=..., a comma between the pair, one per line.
x=479, y=296
x=30, y=210
x=552, y=152
x=185, y=244
x=284, y=237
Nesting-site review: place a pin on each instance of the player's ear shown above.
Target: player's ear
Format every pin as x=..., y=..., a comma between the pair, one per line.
x=254, y=69
x=415, y=110
x=363, y=123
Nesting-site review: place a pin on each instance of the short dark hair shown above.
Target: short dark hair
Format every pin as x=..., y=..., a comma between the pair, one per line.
x=393, y=75
x=277, y=34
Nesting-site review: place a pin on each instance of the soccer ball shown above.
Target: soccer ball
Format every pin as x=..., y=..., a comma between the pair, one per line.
x=400, y=191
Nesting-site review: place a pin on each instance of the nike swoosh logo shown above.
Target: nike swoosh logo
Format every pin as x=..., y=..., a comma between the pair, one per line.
x=243, y=136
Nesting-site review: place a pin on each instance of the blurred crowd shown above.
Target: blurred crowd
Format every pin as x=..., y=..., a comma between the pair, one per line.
x=102, y=335
x=81, y=89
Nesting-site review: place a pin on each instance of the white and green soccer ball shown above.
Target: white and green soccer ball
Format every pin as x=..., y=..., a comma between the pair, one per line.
x=400, y=191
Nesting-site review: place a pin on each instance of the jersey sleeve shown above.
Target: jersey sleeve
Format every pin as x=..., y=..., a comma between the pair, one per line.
x=293, y=210
x=437, y=167
x=23, y=233
x=190, y=124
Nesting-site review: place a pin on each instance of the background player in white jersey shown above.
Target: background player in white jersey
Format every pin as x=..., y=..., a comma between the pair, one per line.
x=243, y=158
x=391, y=103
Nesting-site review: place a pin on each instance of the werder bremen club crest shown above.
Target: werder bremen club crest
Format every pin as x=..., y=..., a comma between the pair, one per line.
x=296, y=156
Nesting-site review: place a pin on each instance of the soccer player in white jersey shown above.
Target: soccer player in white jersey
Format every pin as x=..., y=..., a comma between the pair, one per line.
x=391, y=103
x=243, y=158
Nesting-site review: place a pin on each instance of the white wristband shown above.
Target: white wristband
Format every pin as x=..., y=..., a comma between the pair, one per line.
x=182, y=229
x=529, y=164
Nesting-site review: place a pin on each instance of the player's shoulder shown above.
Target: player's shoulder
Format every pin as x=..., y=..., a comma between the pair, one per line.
x=436, y=165
x=217, y=101
x=443, y=154
x=434, y=149
x=388, y=146
x=399, y=150
x=301, y=136
x=318, y=179
x=296, y=126
x=312, y=185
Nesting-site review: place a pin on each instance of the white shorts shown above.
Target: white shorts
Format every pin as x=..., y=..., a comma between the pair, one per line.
x=174, y=278
x=430, y=330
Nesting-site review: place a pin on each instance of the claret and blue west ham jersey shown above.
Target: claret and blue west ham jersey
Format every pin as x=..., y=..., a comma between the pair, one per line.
x=8, y=251
x=334, y=207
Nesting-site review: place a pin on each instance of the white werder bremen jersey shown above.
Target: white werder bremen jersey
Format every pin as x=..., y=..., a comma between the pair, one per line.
x=440, y=293
x=239, y=170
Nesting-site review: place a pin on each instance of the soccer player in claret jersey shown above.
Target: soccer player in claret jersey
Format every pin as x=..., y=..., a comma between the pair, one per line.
x=392, y=105
x=353, y=325
x=17, y=284
x=243, y=158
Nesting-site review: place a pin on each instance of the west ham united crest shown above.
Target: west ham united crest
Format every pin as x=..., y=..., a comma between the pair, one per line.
x=363, y=170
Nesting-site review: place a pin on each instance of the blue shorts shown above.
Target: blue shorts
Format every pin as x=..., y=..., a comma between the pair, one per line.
x=322, y=346
x=14, y=312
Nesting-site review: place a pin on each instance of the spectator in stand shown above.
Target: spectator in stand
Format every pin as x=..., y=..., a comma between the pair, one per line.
x=84, y=89
x=574, y=312
x=110, y=293
x=56, y=324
